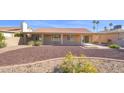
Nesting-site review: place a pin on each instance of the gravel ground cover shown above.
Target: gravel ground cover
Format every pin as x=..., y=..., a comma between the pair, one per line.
x=103, y=65
x=39, y=53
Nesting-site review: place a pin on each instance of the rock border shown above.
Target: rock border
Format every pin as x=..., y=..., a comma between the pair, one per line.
x=47, y=66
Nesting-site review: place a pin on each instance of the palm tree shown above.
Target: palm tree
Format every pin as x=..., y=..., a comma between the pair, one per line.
x=97, y=23
x=94, y=25
x=105, y=28
x=110, y=25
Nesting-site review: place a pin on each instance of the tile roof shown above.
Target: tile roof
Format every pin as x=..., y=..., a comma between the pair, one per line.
x=62, y=30
x=10, y=29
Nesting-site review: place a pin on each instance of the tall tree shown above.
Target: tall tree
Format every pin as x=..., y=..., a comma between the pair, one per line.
x=110, y=25
x=97, y=23
x=94, y=25
x=105, y=28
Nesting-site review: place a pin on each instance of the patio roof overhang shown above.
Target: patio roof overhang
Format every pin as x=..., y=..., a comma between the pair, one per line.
x=54, y=33
x=85, y=33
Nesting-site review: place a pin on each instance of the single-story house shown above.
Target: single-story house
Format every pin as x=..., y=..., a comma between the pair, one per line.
x=60, y=36
x=74, y=36
x=65, y=36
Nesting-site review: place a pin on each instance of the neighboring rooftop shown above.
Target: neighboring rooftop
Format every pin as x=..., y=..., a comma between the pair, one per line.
x=112, y=31
x=10, y=29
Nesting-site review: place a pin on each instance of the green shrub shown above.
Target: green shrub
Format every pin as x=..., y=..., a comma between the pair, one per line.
x=70, y=65
x=2, y=41
x=115, y=46
x=35, y=43
x=18, y=34
x=2, y=44
x=31, y=43
x=2, y=37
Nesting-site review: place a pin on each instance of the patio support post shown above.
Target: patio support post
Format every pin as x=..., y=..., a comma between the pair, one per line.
x=91, y=39
x=81, y=39
x=24, y=39
x=99, y=39
x=42, y=38
x=61, y=39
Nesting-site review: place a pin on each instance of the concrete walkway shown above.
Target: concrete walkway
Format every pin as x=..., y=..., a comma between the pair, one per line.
x=93, y=46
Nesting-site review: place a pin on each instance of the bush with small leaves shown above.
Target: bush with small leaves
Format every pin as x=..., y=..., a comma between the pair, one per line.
x=37, y=43
x=70, y=65
x=3, y=44
x=2, y=37
x=31, y=43
x=2, y=41
x=115, y=46
x=18, y=34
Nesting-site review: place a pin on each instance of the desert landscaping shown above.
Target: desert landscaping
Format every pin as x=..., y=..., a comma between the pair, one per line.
x=26, y=59
x=70, y=50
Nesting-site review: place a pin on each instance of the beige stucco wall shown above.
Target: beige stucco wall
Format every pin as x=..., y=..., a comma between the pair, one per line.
x=103, y=38
x=12, y=41
x=8, y=35
x=121, y=39
x=121, y=36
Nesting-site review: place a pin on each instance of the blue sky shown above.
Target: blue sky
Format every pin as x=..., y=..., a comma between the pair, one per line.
x=60, y=23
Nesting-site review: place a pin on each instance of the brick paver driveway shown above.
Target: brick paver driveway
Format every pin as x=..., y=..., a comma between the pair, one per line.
x=32, y=54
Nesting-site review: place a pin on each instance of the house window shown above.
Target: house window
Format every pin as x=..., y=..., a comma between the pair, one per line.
x=69, y=37
x=56, y=37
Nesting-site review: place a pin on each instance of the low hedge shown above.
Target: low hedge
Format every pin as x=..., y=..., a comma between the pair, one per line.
x=115, y=46
x=3, y=44
x=35, y=43
x=18, y=34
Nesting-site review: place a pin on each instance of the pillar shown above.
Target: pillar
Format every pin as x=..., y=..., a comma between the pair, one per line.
x=99, y=39
x=61, y=39
x=82, y=39
x=42, y=38
x=24, y=39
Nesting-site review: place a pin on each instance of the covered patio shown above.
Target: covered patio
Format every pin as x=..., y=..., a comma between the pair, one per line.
x=58, y=38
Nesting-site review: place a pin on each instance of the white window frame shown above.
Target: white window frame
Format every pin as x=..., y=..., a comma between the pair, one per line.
x=56, y=37
x=71, y=37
